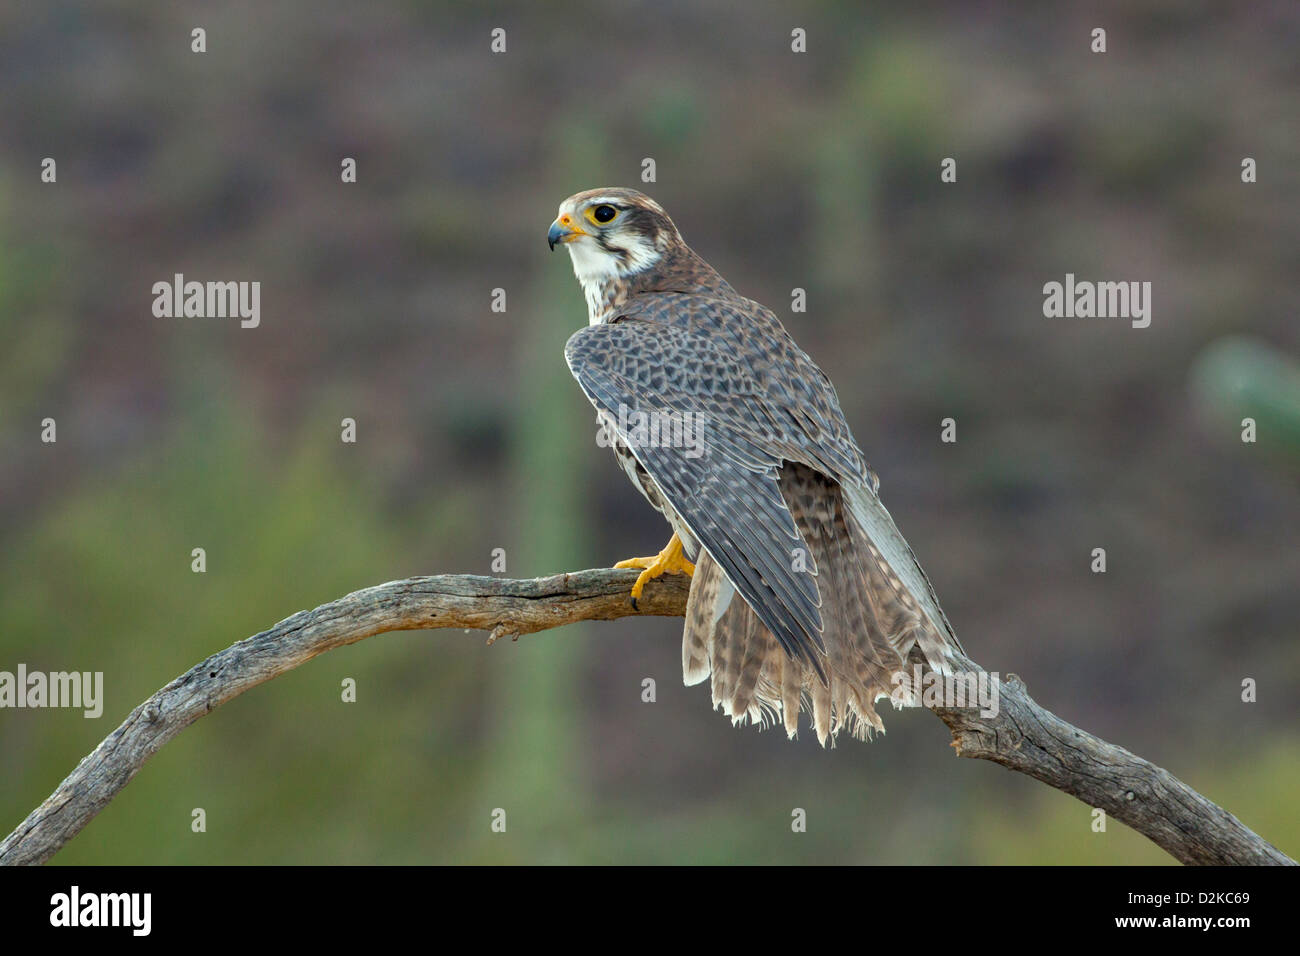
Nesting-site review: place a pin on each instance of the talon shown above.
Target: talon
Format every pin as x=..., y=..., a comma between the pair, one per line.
x=671, y=560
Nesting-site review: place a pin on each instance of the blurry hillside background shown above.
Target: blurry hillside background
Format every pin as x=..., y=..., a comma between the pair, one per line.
x=818, y=171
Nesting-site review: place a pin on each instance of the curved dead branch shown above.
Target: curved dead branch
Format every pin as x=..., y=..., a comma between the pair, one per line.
x=1022, y=736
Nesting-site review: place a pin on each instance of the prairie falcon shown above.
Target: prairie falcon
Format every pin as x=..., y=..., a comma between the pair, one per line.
x=803, y=593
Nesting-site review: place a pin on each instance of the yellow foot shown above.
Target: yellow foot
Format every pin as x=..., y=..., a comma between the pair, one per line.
x=670, y=560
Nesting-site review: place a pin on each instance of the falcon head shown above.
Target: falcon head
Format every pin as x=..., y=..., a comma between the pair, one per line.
x=612, y=233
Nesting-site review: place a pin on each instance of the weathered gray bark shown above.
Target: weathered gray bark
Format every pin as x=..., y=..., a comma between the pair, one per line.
x=1023, y=736
x=1029, y=739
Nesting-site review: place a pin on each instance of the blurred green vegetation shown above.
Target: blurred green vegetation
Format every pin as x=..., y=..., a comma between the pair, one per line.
x=1236, y=378
x=818, y=171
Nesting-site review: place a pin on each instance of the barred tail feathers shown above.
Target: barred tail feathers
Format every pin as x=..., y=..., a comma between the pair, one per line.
x=876, y=605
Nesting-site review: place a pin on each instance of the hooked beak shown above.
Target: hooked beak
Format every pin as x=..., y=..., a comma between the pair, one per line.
x=563, y=230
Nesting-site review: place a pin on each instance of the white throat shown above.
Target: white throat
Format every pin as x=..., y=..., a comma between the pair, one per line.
x=596, y=269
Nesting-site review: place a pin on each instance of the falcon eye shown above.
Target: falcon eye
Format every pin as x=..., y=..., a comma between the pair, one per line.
x=602, y=214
